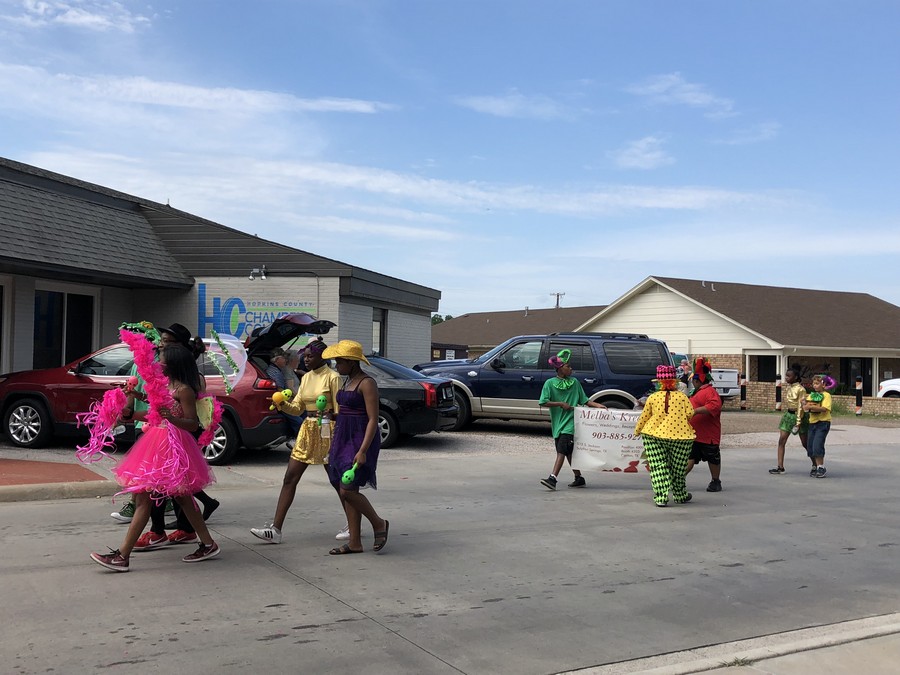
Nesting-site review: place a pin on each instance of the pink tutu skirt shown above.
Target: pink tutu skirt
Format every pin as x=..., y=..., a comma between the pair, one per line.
x=165, y=460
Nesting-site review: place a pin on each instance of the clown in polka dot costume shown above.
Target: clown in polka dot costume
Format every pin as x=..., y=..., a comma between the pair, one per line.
x=666, y=432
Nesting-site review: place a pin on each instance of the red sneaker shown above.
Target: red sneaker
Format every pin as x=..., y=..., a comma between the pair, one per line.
x=150, y=540
x=202, y=553
x=182, y=537
x=111, y=561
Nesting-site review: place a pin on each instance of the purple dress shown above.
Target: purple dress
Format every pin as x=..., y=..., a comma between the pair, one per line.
x=349, y=432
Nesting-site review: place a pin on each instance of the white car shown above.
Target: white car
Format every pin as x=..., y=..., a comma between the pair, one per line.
x=889, y=389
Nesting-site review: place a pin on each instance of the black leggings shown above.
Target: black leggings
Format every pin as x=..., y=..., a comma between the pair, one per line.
x=158, y=513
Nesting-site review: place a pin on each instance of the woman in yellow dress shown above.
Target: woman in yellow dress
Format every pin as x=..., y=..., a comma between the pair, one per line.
x=312, y=445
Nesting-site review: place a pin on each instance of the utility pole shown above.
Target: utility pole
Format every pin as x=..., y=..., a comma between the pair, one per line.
x=558, y=296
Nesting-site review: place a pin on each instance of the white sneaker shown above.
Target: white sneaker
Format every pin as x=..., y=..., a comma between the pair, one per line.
x=269, y=533
x=124, y=514
x=343, y=534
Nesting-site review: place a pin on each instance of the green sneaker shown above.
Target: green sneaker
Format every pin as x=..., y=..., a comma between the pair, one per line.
x=125, y=514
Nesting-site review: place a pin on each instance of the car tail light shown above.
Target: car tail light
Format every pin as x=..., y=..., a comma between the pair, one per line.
x=430, y=394
x=263, y=383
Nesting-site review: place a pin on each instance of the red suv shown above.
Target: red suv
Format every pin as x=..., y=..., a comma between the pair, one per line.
x=36, y=404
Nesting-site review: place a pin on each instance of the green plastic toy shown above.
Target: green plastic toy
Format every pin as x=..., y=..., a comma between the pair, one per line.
x=321, y=404
x=349, y=475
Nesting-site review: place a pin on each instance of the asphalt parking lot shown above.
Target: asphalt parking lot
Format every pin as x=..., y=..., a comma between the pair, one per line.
x=485, y=570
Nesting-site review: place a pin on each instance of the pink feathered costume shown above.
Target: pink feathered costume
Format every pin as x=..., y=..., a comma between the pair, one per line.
x=165, y=460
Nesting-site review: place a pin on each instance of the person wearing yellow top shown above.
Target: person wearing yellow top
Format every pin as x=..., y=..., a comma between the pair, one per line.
x=793, y=421
x=818, y=405
x=312, y=445
x=665, y=430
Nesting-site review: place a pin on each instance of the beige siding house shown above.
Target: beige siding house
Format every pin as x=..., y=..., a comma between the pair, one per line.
x=761, y=330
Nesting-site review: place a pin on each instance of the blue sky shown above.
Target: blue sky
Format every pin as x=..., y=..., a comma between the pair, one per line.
x=500, y=151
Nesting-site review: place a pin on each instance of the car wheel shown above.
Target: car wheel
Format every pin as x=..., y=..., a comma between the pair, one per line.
x=224, y=444
x=891, y=394
x=464, y=418
x=617, y=405
x=390, y=430
x=27, y=423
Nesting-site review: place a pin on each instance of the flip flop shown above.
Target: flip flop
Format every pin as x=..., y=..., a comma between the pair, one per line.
x=383, y=536
x=343, y=550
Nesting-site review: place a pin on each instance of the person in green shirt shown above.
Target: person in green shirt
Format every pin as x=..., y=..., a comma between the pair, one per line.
x=136, y=403
x=560, y=395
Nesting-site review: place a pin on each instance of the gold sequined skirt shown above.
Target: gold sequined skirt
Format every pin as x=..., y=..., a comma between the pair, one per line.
x=310, y=447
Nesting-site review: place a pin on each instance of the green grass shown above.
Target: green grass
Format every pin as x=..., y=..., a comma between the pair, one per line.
x=736, y=662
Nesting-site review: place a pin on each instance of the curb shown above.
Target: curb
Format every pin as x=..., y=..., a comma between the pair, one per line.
x=753, y=650
x=50, y=491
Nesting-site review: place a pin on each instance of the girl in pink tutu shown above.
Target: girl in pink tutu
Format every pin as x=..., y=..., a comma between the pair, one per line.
x=166, y=460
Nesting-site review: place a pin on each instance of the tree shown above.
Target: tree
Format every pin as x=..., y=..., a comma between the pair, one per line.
x=437, y=318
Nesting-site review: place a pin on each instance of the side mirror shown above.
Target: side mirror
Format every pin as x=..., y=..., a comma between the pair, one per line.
x=498, y=365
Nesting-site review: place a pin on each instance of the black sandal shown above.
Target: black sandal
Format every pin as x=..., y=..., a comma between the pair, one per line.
x=343, y=550
x=382, y=536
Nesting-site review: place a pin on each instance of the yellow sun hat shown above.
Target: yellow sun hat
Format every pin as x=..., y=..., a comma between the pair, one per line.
x=345, y=349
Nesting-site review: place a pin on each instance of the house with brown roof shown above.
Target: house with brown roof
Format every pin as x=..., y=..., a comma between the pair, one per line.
x=762, y=330
x=471, y=335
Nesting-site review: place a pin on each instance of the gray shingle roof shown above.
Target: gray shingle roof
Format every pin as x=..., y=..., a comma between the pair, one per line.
x=798, y=316
x=492, y=328
x=63, y=230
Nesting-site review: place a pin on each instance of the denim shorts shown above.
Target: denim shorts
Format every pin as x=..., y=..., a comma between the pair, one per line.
x=815, y=444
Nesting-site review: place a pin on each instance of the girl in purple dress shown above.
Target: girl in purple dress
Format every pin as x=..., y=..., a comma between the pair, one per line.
x=356, y=442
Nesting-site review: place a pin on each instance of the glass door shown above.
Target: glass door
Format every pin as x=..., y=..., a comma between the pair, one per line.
x=63, y=327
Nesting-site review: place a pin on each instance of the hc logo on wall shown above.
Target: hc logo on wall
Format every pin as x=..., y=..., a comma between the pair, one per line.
x=239, y=317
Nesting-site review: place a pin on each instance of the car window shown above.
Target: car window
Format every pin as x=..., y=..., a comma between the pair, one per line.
x=522, y=356
x=115, y=361
x=581, y=360
x=634, y=358
x=376, y=373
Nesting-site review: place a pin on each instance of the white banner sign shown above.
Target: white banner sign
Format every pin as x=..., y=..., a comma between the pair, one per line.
x=604, y=440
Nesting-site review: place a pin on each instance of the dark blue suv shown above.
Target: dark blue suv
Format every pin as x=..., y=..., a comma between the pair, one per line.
x=615, y=369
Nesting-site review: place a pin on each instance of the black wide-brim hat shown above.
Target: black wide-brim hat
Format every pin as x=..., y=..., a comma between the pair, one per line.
x=179, y=332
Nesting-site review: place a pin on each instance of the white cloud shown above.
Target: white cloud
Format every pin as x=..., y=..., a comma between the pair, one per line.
x=673, y=89
x=644, y=153
x=759, y=133
x=145, y=91
x=516, y=105
x=93, y=15
x=398, y=213
x=238, y=189
x=741, y=241
x=335, y=225
x=24, y=83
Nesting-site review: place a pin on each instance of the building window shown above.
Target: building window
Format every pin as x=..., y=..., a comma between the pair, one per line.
x=379, y=331
x=63, y=327
x=767, y=368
